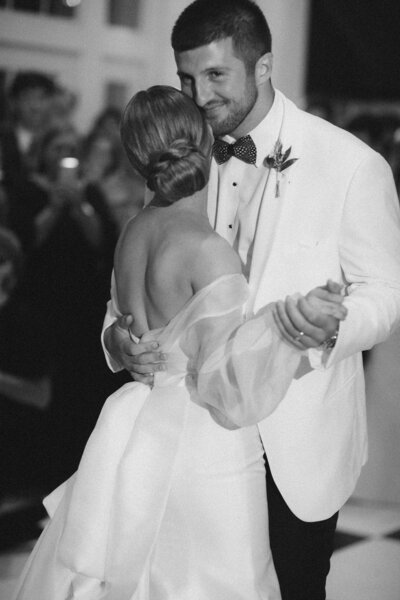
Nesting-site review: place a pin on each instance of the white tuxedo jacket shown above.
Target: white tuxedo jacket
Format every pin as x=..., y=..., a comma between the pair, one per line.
x=337, y=217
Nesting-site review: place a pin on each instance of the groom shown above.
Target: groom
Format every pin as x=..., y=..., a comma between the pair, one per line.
x=301, y=201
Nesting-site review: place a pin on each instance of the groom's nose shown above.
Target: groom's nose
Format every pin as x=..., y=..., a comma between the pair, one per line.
x=202, y=93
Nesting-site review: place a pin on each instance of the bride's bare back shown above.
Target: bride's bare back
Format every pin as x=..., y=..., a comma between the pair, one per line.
x=164, y=256
x=169, y=251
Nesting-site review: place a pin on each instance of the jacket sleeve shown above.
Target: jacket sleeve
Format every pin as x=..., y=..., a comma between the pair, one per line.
x=369, y=247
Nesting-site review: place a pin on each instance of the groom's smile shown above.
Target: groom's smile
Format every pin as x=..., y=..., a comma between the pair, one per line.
x=218, y=82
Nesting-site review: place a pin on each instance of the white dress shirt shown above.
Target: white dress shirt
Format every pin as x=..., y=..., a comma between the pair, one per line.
x=241, y=187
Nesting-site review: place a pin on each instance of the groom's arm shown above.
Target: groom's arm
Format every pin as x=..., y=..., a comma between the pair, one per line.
x=369, y=250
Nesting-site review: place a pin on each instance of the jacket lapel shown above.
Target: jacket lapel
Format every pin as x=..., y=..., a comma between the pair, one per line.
x=275, y=210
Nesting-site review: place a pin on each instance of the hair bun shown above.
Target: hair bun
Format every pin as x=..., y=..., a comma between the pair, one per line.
x=167, y=168
x=168, y=141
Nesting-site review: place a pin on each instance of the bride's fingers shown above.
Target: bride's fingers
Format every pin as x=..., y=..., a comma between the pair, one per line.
x=295, y=325
x=276, y=313
x=306, y=325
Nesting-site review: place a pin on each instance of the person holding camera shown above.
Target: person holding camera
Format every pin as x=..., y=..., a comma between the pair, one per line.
x=69, y=236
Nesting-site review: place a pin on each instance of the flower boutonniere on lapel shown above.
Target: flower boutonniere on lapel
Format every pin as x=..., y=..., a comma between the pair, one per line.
x=279, y=160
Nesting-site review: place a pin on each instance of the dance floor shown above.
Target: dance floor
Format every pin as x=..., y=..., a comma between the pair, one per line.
x=365, y=564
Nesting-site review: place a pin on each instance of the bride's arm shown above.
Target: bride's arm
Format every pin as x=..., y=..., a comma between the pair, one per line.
x=309, y=321
x=242, y=370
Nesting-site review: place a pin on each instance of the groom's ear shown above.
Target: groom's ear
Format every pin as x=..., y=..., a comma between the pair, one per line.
x=263, y=69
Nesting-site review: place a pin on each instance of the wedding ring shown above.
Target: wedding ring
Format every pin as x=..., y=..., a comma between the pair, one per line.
x=299, y=336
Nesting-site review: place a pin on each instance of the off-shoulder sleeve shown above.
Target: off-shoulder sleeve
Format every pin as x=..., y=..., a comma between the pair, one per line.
x=239, y=370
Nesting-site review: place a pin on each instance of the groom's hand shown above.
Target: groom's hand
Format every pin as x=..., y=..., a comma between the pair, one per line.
x=308, y=321
x=141, y=359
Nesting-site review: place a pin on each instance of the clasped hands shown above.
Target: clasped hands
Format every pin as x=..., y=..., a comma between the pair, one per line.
x=304, y=321
x=309, y=321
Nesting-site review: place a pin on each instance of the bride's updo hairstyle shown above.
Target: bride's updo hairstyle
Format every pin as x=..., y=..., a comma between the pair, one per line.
x=168, y=141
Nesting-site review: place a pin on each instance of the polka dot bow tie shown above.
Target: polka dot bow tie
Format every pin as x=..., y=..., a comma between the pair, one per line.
x=244, y=149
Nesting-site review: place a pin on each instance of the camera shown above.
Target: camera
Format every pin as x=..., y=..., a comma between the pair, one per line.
x=68, y=170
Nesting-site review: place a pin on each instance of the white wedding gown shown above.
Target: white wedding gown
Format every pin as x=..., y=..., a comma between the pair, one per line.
x=167, y=504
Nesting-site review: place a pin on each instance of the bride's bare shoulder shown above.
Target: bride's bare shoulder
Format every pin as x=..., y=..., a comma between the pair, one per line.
x=139, y=222
x=135, y=231
x=215, y=258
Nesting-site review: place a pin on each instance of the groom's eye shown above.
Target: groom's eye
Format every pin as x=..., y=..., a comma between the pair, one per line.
x=215, y=74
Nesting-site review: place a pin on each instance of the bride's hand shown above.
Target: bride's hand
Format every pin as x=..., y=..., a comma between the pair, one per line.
x=308, y=321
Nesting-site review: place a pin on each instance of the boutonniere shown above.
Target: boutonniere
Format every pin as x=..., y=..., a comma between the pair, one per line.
x=279, y=160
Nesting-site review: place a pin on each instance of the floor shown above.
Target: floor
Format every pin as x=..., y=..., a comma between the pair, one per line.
x=365, y=564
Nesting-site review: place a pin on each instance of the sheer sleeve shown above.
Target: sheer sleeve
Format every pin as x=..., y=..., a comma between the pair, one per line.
x=238, y=370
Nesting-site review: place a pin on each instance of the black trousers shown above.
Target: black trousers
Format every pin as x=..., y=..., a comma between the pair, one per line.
x=301, y=550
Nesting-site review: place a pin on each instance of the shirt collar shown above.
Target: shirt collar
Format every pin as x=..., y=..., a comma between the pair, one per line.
x=266, y=133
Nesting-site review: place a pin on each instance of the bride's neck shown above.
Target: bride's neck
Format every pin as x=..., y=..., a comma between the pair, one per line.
x=196, y=203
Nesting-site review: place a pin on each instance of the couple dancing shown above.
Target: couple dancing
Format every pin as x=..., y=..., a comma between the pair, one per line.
x=169, y=501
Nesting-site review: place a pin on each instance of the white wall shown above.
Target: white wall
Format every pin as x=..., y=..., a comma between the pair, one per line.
x=289, y=24
x=85, y=52
x=380, y=478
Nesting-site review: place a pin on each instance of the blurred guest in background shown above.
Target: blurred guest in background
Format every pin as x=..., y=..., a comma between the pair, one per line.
x=376, y=130
x=104, y=163
x=396, y=158
x=69, y=238
x=321, y=106
x=10, y=263
x=30, y=97
x=63, y=105
x=3, y=199
x=75, y=239
x=107, y=121
x=22, y=423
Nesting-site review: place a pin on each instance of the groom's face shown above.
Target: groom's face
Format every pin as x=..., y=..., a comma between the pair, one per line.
x=218, y=82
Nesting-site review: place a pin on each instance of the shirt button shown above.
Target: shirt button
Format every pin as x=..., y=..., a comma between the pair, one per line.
x=234, y=184
x=230, y=226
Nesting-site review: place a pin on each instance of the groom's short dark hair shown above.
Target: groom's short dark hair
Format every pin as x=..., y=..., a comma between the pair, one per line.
x=207, y=21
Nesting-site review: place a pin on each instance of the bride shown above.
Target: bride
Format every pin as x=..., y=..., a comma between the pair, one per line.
x=169, y=500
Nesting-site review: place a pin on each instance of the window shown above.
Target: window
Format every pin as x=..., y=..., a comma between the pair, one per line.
x=59, y=8
x=125, y=13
